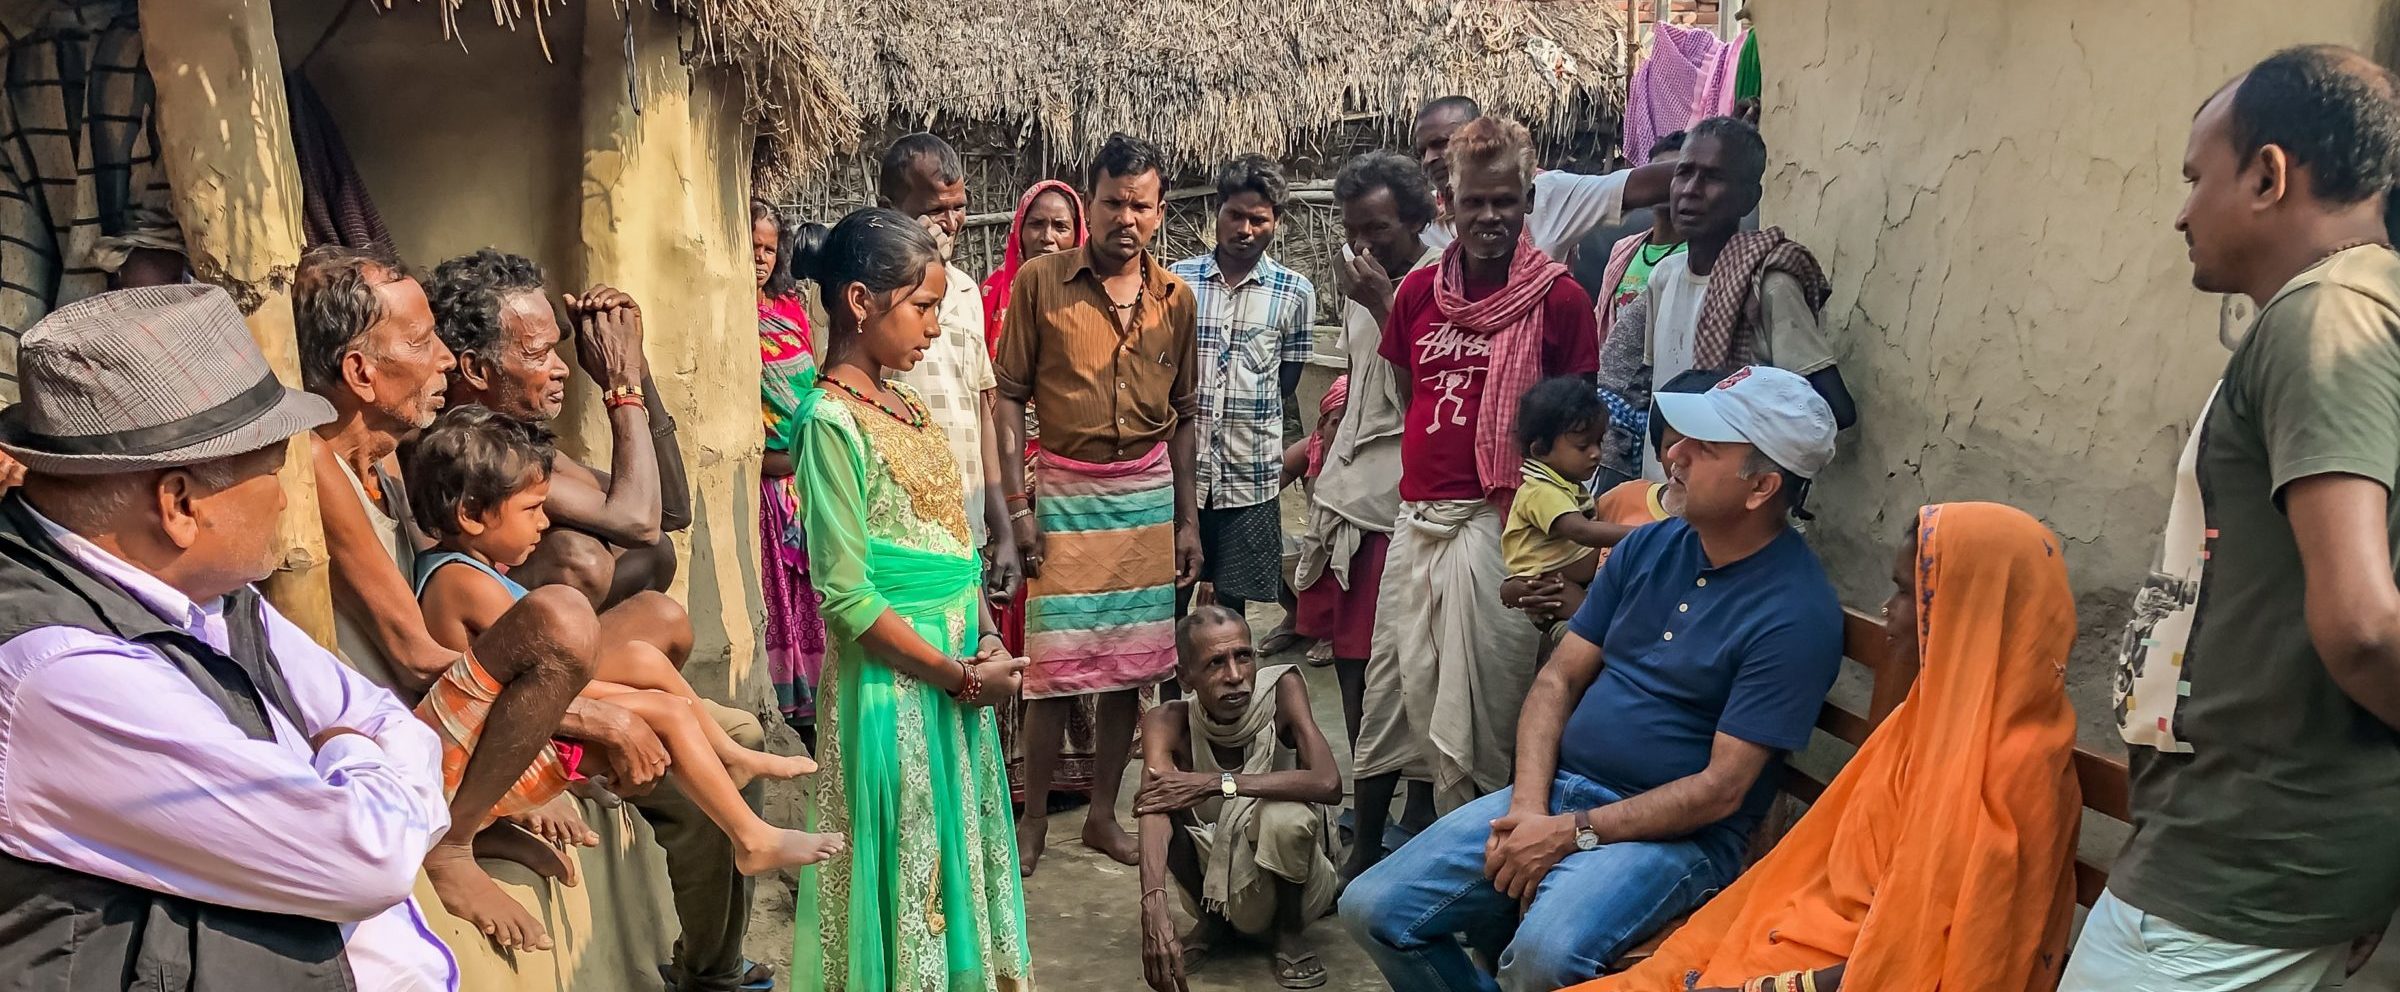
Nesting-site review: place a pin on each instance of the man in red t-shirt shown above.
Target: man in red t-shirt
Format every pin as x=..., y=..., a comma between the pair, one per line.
x=1468, y=336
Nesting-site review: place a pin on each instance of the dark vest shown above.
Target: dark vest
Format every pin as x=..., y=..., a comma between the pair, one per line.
x=66, y=931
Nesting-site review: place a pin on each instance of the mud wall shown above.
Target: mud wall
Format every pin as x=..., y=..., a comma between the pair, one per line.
x=528, y=141
x=1993, y=189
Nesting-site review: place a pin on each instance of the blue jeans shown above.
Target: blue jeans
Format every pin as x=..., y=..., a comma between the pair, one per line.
x=1408, y=910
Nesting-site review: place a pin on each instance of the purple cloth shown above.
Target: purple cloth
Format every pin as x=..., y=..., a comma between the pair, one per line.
x=795, y=630
x=1714, y=98
x=1659, y=100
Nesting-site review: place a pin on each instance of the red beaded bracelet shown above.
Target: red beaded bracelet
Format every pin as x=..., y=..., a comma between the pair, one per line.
x=969, y=689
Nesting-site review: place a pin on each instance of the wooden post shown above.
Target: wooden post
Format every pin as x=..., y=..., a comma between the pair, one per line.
x=225, y=140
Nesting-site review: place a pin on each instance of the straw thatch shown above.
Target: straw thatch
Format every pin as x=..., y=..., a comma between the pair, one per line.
x=1209, y=79
x=799, y=109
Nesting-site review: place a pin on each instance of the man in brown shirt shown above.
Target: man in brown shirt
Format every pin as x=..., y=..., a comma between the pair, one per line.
x=1102, y=342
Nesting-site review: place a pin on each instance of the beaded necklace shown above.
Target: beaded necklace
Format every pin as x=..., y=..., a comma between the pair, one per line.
x=914, y=418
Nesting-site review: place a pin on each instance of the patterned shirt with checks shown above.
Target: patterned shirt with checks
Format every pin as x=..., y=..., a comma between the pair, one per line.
x=1247, y=332
x=951, y=379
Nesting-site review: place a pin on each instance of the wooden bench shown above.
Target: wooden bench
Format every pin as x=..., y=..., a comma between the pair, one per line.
x=2105, y=789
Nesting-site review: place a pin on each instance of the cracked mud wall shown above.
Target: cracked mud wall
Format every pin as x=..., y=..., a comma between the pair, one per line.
x=491, y=140
x=1992, y=188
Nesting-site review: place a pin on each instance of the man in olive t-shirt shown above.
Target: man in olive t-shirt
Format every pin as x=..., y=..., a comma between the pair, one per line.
x=2260, y=677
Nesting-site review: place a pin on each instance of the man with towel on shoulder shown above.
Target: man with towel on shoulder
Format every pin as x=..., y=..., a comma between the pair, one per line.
x=1236, y=785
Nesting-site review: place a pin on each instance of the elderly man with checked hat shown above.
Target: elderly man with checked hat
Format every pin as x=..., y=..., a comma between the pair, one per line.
x=196, y=791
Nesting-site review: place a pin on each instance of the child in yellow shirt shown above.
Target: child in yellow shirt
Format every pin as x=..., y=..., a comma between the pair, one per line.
x=1550, y=529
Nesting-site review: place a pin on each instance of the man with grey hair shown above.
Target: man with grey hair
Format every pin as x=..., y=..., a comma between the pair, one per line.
x=1638, y=781
x=1731, y=297
x=1236, y=782
x=923, y=178
x=194, y=787
x=368, y=346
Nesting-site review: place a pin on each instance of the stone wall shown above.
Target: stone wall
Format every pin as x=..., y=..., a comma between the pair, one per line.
x=1993, y=189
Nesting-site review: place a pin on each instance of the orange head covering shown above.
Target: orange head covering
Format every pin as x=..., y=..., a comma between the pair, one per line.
x=1942, y=856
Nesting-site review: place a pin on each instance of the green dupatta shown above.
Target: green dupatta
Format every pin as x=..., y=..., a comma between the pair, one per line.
x=885, y=775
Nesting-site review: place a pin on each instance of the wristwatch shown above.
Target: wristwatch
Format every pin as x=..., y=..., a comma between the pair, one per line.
x=1586, y=839
x=1225, y=785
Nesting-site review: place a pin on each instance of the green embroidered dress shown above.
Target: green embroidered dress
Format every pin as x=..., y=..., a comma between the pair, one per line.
x=928, y=899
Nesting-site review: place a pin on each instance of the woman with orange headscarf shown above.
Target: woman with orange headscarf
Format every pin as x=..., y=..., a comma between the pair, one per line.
x=1941, y=858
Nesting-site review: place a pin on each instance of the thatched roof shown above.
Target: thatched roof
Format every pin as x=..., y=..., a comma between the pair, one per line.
x=799, y=109
x=1209, y=79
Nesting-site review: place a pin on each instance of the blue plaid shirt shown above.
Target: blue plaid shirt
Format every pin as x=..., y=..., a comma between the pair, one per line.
x=1247, y=332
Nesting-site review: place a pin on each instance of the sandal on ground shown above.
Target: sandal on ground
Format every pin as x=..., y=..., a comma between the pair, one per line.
x=1200, y=943
x=1278, y=641
x=756, y=977
x=1303, y=972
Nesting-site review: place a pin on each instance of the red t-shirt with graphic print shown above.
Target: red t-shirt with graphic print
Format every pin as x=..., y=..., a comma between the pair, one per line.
x=1445, y=368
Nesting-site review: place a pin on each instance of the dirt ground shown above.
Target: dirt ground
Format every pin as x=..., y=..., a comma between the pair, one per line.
x=1082, y=908
x=1082, y=911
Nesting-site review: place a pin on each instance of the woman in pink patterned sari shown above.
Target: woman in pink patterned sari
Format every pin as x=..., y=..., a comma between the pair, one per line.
x=795, y=633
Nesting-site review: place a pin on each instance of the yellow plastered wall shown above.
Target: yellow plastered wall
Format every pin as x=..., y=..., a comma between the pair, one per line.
x=1993, y=188
x=489, y=142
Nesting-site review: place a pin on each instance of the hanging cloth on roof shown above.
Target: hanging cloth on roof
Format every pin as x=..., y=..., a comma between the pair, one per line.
x=1747, y=82
x=1714, y=96
x=334, y=206
x=80, y=183
x=1658, y=101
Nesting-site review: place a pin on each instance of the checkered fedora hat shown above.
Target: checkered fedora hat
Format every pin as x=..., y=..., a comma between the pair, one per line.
x=145, y=379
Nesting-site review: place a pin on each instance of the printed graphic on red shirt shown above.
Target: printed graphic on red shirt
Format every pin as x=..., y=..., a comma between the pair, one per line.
x=1446, y=367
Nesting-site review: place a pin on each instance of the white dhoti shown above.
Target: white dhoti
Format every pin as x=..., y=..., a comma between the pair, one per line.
x=1288, y=842
x=1461, y=662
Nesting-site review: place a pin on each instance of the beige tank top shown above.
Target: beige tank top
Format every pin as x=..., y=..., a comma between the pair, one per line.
x=352, y=634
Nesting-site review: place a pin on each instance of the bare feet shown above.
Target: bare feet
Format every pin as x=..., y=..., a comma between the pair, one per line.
x=558, y=823
x=1283, y=638
x=469, y=894
x=1101, y=833
x=778, y=848
x=507, y=841
x=746, y=765
x=1033, y=834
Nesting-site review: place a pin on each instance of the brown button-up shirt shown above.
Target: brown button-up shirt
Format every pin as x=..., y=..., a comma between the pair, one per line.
x=1099, y=394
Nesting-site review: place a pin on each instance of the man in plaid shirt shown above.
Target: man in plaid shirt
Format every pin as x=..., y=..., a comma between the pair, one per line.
x=1254, y=320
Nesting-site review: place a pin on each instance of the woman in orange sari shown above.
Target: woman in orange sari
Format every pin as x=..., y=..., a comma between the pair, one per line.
x=1941, y=858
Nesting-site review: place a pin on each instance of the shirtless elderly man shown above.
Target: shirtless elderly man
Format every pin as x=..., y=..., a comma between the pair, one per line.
x=608, y=533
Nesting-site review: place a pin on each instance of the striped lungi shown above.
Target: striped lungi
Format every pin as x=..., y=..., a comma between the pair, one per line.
x=1101, y=616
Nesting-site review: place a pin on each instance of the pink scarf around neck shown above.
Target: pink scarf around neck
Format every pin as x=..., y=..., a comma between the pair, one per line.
x=1512, y=318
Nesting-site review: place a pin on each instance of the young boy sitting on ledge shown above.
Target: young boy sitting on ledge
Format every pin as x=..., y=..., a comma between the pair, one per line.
x=476, y=482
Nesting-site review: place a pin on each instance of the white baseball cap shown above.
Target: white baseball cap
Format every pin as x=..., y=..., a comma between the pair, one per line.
x=1768, y=408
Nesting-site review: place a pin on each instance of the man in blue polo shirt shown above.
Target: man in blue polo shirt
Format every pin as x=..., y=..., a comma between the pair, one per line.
x=1638, y=780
